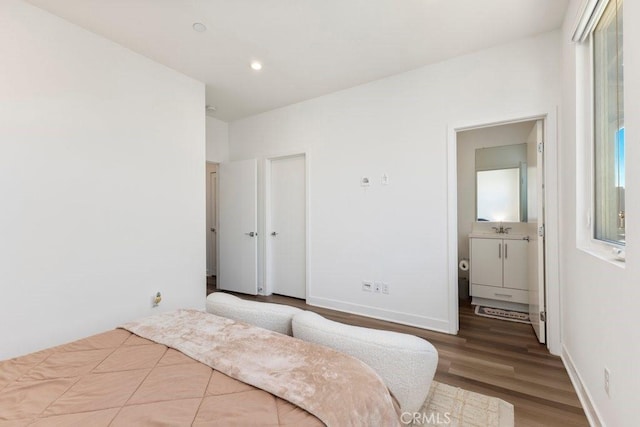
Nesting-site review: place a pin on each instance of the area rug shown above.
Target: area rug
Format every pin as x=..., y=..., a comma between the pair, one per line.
x=502, y=314
x=452, y=406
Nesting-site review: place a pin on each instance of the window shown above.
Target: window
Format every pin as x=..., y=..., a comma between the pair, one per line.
x=608, y=129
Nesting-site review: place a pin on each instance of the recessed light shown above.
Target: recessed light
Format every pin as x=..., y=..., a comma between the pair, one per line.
x=256, y=65
x=199, y=27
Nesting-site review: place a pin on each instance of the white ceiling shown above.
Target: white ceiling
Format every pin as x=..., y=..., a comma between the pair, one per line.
x=308, y=47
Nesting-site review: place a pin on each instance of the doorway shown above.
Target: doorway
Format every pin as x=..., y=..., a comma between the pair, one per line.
x=212, y=225
x=484, y=154
x=286, y=226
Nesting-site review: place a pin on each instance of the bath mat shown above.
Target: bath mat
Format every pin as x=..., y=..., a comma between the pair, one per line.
x=502, y=314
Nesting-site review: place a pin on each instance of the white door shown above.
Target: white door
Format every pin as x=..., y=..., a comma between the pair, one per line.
x=286, y=256
x=237, y=226
x=212, y=223
x=535, y=196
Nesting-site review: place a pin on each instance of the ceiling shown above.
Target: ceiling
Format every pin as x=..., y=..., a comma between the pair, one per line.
x=308, y=47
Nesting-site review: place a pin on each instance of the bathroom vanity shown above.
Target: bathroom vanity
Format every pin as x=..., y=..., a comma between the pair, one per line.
x=499, y=268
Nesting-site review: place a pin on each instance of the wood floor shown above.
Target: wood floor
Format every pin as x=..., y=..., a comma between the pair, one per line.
x=488, y=356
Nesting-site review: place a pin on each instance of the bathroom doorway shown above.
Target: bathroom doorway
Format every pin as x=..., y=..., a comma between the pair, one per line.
x=500, y=218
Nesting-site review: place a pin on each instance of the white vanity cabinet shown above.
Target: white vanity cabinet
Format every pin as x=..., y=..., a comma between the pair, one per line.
x=499, y=268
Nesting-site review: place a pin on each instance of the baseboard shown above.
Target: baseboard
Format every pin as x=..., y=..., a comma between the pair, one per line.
x=382, y=314
x=583, y=394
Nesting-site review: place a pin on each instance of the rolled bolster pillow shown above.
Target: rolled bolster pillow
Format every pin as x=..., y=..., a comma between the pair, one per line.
x=405, y=362
x=275, y=317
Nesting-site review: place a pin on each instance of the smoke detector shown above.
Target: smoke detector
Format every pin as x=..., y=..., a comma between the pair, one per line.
x=199, y=27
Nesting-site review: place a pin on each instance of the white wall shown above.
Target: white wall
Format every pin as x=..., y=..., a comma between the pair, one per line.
x=217, y=140
x=468, y=143
x=599, y=299
x=398, y=126
x=102, y=157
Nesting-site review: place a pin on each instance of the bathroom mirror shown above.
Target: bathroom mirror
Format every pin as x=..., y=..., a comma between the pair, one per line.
x=498, y=195
x=501, y=183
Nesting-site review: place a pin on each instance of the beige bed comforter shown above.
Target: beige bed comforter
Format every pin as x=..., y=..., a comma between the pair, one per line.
x=119, y=378
x=338, y=389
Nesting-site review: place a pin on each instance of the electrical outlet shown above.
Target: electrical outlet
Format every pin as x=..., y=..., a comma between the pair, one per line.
x=377, y=287
x=385, y=288
x=607, y=381
x=155, y=301
x=367, y=286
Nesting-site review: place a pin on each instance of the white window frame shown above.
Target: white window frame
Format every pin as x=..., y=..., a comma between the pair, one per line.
x=585, y=139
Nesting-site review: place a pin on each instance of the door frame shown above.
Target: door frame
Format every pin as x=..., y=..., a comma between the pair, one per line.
x=268, y=287
x=549, y=116
x=217, y=209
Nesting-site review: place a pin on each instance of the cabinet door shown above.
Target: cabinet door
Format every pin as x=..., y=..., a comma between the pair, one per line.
x=486, y=262
x=515, y=264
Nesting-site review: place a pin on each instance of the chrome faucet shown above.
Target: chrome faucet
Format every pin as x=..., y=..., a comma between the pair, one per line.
x=502, y=229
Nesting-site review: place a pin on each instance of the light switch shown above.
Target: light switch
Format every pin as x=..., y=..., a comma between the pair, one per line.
x=385, y=179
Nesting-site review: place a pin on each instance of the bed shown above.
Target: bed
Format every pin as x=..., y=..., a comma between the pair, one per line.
x=233, y=365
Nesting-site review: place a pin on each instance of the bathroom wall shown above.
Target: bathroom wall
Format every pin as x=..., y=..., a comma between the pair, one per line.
x=468, y=142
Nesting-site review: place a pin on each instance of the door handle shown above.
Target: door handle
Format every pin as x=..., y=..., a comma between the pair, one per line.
x=499, y=250
x=251, y=234
x=273, y=233
x=505, y=251
x=213, y=229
